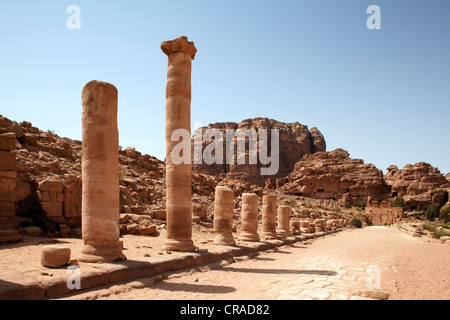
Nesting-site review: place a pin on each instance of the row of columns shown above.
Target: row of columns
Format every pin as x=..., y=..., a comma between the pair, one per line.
x=223, y=217
x=100, y=179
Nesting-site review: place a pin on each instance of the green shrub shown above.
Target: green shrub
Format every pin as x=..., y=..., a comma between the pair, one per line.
x=432, y=211
x=440, y=233
x=445, y=225
x=357, y=223
x=399, y=202
x=444, y=213
x=435, y=233
x=429, y=227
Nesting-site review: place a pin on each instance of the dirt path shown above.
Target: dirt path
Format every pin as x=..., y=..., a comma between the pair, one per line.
x=326, y=268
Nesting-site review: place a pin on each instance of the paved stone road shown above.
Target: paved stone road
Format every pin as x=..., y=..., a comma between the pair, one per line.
x=328, y=268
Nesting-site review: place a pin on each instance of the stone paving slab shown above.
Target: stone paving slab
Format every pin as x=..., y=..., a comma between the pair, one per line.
x=28, y=286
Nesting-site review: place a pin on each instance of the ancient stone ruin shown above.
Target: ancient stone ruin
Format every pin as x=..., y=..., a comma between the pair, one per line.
x=180, y=54
x=100, y=174
x=249, y=217
x=383, y=213
x=223, y=216
x=269, y=217
x=284, y=221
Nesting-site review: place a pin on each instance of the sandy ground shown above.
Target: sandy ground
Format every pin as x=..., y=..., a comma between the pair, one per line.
x=328, y=268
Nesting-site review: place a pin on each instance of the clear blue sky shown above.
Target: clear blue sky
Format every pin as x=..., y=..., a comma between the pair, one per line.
x=383, y=95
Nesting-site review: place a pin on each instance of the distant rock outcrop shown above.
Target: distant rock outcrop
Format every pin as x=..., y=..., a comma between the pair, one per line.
x=295, y=141
x=419, y=185
x=334, y=175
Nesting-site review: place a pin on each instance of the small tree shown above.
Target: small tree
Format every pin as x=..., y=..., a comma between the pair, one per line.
x=399, y=202
x=357, y=223
x=432, y=211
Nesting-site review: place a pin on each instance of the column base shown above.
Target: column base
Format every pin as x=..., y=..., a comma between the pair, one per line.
x=269, y=235
x=224, y=239
x=249, y=236
x=282, y=234
x=101, y=253
x=179, y=245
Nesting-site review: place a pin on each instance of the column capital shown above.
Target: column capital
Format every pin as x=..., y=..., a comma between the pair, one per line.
x=180, y=44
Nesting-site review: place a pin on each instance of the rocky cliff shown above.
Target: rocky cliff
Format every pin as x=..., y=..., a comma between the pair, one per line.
x=295, y=141
x=334, y=175
x=420, y=185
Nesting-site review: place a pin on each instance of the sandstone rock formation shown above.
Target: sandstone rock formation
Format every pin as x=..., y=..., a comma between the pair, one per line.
x=334, y=175
x=295, y=141
x=420, y=185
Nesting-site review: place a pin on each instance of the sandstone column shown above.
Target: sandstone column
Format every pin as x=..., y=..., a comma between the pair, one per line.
x=223, y=216
x=100, y=174
x=284, y=219
x=249, y=217
x=180, y=54
x=269, y=217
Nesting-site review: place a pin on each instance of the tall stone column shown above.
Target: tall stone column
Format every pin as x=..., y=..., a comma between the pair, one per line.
x=223, y=216
x=284, y=221
x=249, y=218
x=269, y=217
x=180, y=54
x=100, y=174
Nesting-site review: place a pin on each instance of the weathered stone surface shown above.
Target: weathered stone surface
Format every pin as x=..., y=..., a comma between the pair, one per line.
x=420, y=185
x=7, y=142
x=374, y=294
x=53, y=209
x=444, y=239
x=295, y=140
x=284, y=219
x=223, y=216
x=7, y=161
x=180, y=53
x=100, y=176
x=249, y=217
x=55, y=256
x=7, y=209
x=32, y=231
x=51, y=185
x=10, y=236
x=29, y=138
x=269, y=217
x=147, y=230
x=334, y=175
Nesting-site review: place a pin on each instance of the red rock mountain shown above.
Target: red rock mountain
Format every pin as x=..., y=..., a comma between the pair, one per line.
x=295, y=141
x=420, y=185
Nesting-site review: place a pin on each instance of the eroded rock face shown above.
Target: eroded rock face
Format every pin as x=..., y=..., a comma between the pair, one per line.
x=334, y=175
x=295, y=141
x=420, y=185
